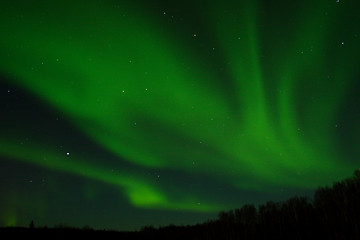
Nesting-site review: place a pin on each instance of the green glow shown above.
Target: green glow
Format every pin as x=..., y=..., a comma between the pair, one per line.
x=140, y=193
x=125, y=83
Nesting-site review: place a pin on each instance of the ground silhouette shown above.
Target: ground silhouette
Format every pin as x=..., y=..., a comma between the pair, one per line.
x=334, y=213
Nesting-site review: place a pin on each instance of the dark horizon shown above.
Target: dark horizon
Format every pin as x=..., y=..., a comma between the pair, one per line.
x=334, y=213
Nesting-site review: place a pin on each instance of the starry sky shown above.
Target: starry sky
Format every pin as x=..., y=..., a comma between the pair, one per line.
x=120, y=114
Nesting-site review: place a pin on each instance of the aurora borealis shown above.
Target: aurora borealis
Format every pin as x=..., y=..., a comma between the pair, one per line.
x=120, y=114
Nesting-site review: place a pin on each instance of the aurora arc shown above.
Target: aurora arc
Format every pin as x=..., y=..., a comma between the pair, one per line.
x=151, y=97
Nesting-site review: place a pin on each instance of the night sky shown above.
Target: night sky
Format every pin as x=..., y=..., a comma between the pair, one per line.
x=120, y=114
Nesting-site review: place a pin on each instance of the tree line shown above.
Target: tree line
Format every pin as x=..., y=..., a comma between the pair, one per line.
x=334, y=213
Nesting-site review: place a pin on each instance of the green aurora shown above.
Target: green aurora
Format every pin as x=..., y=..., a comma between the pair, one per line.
x=255, y=96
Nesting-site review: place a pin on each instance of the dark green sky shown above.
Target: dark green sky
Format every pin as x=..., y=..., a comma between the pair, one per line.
x=120, y=114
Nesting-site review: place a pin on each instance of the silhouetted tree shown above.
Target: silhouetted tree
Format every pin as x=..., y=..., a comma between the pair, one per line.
x=334, y=213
